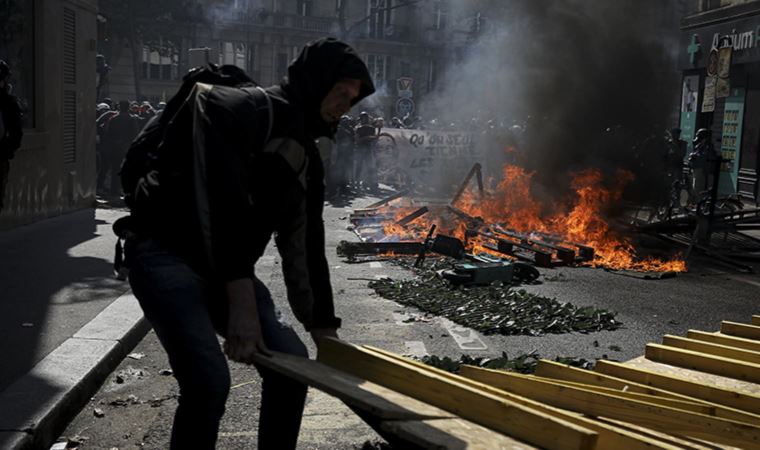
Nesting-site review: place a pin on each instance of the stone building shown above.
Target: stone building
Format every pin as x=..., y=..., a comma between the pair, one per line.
x=51, y=47
x=397, y=38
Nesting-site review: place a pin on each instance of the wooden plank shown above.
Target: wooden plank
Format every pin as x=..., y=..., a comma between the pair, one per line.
x=668, y=420
x=497, y=413
x=700, y=408
x=555, y=370
x=712, y=349
x=440, y=427
x=377, y=400
x=452, y=434
x=559, y=371
x=740, y=330
x=673, y=440
x=702, y=390
x=610, y=436
x=724, y=339
x=755, y=320
x=706, y=363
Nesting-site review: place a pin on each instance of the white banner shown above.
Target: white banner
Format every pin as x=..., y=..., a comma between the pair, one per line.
x=428, y=158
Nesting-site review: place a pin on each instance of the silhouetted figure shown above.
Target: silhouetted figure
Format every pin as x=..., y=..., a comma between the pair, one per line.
x=11, y=130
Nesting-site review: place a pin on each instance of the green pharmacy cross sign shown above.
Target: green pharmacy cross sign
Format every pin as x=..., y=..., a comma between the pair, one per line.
x=694, y=48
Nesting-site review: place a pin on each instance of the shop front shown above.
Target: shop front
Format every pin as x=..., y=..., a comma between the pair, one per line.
x=720, y=60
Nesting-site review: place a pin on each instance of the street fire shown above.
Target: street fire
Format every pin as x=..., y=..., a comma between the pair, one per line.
x=581, y=219
x=512, y=216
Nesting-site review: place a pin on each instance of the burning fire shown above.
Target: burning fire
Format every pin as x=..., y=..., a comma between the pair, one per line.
x=580, y=219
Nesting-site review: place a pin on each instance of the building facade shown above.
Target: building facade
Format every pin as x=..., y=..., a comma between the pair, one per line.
x=51, y=47
x=412, y=41
x=720, y=60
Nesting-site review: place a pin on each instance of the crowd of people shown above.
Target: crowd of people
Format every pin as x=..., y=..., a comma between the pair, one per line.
x=117, y=125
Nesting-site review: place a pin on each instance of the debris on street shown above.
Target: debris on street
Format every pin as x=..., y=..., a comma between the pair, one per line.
x=525, y=363
x=495, y=309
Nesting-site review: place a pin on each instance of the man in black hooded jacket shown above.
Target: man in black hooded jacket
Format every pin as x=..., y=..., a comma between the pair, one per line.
x=244, y=173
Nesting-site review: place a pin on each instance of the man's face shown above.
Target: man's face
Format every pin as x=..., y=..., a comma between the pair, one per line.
x=338, y=101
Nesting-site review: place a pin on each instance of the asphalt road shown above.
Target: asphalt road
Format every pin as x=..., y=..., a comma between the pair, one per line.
x=138, y=402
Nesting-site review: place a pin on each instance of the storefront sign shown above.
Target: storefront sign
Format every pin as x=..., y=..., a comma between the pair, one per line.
x=743, y=35
x=731, y=141
x=689, y=97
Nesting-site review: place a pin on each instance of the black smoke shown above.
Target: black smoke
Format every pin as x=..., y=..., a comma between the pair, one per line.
x=584, y=83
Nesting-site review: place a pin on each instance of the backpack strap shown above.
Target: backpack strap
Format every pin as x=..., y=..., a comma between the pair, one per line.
x=270, y=122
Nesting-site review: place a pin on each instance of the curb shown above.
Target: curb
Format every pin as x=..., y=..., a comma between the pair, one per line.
x=38, y=406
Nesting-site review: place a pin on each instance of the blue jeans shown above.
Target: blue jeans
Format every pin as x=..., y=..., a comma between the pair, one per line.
x=187, y=312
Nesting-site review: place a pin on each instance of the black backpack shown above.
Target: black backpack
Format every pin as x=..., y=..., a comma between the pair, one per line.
x=140, y=168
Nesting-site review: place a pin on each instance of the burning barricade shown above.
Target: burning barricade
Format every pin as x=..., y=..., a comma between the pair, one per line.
x=508, y=224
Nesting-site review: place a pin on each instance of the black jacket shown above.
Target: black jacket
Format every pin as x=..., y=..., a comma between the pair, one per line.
x=233, y=191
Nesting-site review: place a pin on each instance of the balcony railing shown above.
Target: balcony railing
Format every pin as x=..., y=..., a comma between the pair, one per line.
x=290, y=21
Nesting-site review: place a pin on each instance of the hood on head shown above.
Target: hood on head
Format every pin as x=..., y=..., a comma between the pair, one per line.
x=321, y=64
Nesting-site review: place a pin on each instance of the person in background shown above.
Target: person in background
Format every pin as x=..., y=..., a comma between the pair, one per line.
x=11, y=129
x=365, y=136
x=118, y=132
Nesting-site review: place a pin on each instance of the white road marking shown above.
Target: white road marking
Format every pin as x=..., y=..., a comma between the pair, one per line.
x=466, y=338
x=416, y=349
x=375, y=265
x=744, y=280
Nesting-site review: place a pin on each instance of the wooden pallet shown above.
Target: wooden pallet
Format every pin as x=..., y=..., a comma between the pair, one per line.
x=701, y=391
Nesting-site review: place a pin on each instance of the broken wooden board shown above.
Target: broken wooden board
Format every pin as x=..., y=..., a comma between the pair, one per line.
x=715, y=389
x=555, y=370
x=665, y=419
x=417, y=422
x=484, y=408
x=716, y=365
x=610, y=436
x=724, y=339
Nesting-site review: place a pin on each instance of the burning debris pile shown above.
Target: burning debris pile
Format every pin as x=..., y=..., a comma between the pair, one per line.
x=494, y=309
x=510, y=223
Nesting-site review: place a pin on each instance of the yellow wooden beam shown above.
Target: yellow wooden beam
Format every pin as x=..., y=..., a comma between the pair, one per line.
x=716, y=365
x=712, y=349
x=724, y=339
x=610, y=436
x=684, y=405
x=740, y=330
x=559, y=371
x=669, y=420
x=755, y=320
x=487, y=409
x=713, y=394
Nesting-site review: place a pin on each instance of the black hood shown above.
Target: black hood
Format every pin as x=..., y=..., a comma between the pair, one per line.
x=313, y=74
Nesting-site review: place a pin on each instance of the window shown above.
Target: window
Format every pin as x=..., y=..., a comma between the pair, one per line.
x=380, y=17
x=240, y=5
x=440, y=14
x=378, y=68
x=304, y=7
x=17, y=49
x=405, y=69
x=160, y=61
x=234, y=53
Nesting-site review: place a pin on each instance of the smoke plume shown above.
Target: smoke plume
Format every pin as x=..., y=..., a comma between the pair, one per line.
x=582, y=82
